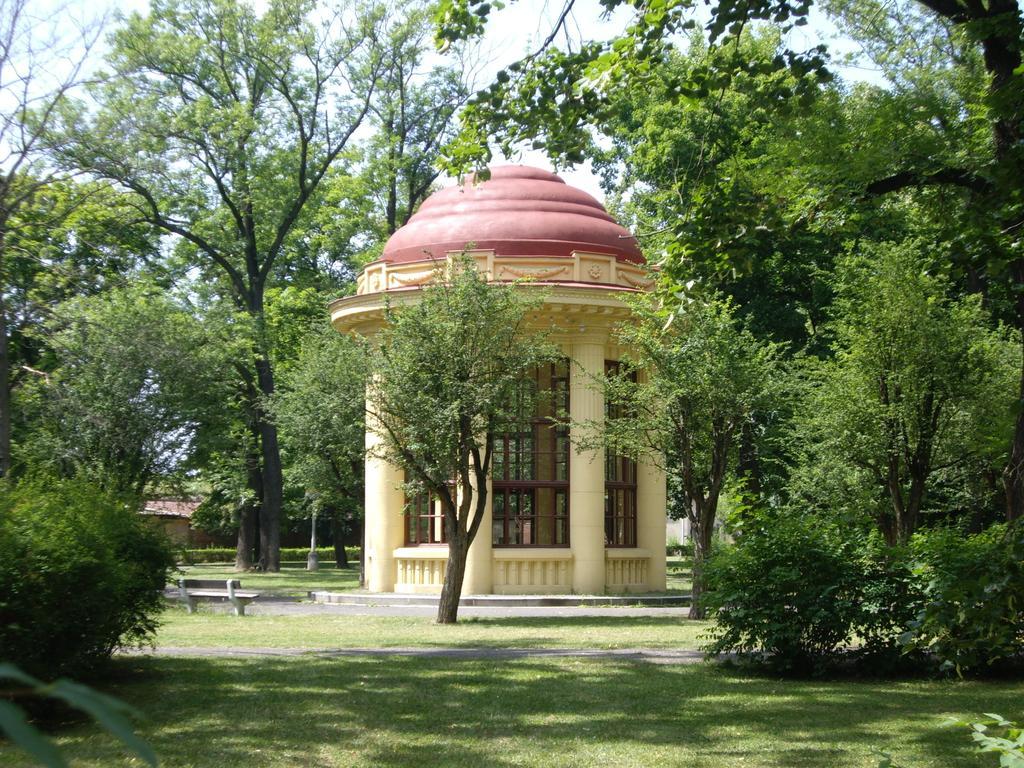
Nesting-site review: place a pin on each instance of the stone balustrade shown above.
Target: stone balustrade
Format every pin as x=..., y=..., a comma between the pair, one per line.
x=625, y=570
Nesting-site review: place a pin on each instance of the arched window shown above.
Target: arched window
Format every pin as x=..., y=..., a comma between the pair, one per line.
x=619, y=486
x=530, y=479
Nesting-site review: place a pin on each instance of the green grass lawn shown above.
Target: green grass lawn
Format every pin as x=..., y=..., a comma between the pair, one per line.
x=292, y=580
x=349, y=631
x=679, y=574
x=287, y=712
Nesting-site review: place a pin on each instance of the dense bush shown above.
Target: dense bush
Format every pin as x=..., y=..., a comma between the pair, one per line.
x=973, y=617
x=288, y=554
x=797, y=593
x=81, y=574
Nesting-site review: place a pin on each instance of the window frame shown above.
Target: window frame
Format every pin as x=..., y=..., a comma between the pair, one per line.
x=434, y=516
x=506, y=487
x=620, y=483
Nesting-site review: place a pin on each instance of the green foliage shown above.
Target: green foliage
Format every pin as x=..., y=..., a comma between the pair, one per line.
x=717, y=189
x=552, y=97
x=797, y=591
x=705, y=378
x=81, y=575
x=448, y=373
x=1000, y=736
x=134, y=376
x=801, y=592
x=919, y=384
x=320, y=411
x=111, y=714
x=973, y=616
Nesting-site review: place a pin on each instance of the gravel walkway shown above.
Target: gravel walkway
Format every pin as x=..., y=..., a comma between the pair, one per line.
x=269, y=605
x=650, y=655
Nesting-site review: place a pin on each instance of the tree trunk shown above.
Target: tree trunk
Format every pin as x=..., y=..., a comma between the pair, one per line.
x=5, y=390
x=273, y=477
x=448, y=606
x=338, y=534
x=1013, y=474
x=249, y=514
x=5, y=372
x=748, y=465
x=701, y=530
x=246, y=537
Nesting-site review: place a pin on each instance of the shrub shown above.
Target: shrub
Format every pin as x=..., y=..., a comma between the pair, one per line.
x=81, y=574
x=973, y=617
x=798, y=593
x=674, y=547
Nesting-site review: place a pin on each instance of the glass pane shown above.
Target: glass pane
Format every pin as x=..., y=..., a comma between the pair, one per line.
x=499, y=460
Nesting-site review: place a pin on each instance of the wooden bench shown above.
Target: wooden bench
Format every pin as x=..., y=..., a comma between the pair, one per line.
x=193, y=590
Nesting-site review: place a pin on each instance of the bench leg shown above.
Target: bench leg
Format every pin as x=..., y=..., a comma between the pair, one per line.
x=239, y=606
x=190, y=604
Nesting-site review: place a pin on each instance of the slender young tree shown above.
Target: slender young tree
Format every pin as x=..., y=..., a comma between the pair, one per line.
x=693, y=377
x=447, y=378
x=320, y=411
x=918, y=384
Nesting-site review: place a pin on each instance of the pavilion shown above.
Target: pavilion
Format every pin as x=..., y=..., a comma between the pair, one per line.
x=560, y=520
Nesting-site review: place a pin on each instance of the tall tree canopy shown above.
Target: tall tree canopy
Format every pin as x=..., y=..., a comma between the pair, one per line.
x=223, y=123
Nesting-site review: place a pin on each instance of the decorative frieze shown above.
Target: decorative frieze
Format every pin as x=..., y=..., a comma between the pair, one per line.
x=581, y=267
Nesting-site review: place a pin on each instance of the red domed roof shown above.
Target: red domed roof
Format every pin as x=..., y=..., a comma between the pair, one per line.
x=519, y=211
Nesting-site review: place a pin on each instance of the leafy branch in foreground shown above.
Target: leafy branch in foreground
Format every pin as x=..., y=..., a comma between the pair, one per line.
x=112, y=714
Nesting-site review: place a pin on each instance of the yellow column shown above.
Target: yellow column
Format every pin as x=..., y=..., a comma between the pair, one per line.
x=586, y=470
x=650, y=523
x=384, y=519
x=479, y=568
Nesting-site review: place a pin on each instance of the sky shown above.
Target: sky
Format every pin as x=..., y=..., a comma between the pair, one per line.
x=516, y=29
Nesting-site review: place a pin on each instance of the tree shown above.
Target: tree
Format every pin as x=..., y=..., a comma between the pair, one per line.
x=39, y=69
x=320, y=410
x=554, y=98
x=224, y=123
x=918, y=384
x=414, y=118
x=69, y=240
x=447, y=379
x=702, y=376
x=134, y=377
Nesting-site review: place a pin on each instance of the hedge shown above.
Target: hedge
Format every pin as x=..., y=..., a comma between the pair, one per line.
x=288, y=554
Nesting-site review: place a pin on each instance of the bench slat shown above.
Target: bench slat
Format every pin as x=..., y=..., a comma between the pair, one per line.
x=210, y=583
x=221, y=593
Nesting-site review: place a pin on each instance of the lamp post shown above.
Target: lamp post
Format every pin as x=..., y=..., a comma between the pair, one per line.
x=312, y=561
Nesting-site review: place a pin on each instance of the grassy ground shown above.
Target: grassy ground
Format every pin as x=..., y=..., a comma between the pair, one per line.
x=679, y=574
x=293, y=579
x=285, y=712
x=348, y=631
